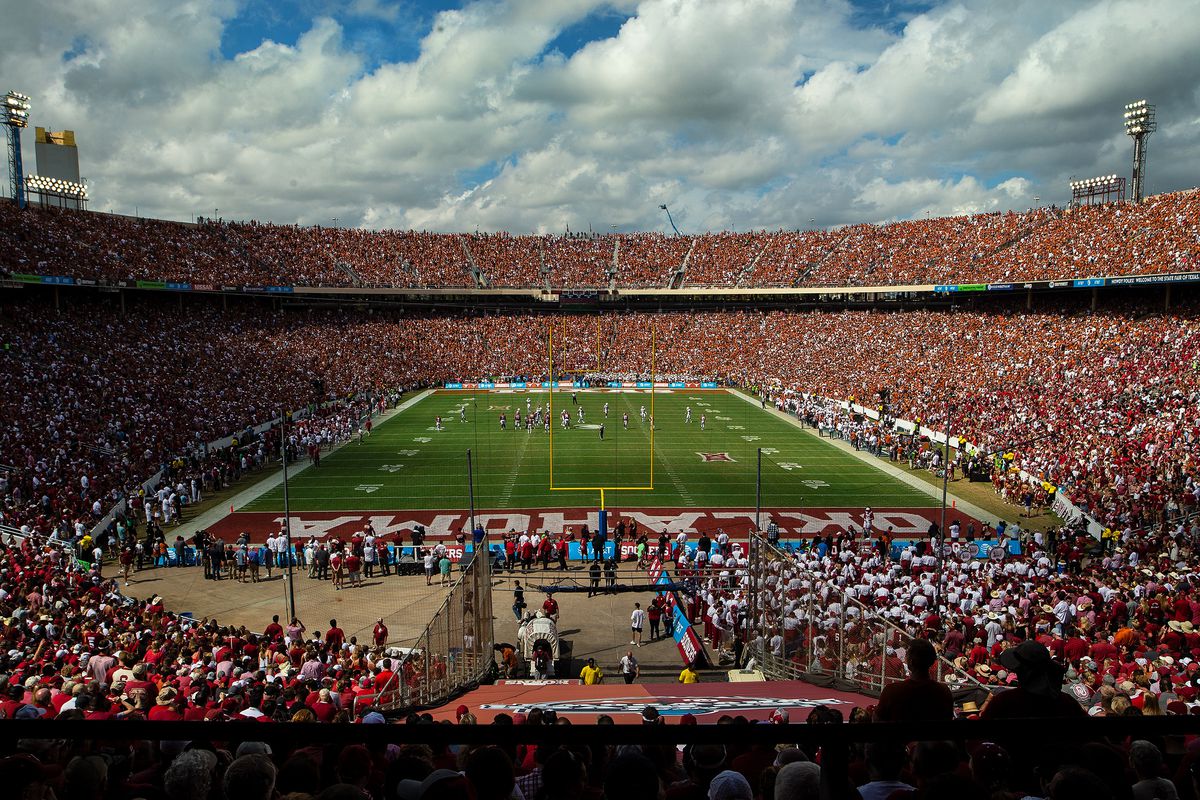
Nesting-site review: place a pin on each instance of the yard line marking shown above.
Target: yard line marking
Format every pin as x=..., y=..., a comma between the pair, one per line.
x=680, y=489
x=511, y=483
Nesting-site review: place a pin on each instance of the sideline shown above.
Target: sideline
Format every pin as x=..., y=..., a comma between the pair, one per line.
x=955, y=503
x=253, y=492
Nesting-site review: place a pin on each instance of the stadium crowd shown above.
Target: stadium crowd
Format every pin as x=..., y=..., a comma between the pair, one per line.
x=1100, y=406
x=579, y=261
x=1122, y=616
x=234, y=764
x=137, y=394
x=76, y=648
x=1156, y=236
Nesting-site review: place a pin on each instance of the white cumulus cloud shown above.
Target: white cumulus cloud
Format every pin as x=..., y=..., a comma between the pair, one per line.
x=739, y=114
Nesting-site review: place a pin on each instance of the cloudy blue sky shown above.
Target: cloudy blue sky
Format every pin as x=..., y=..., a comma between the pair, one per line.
x=532, y=115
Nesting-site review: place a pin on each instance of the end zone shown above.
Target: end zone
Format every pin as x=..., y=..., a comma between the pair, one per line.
x=444, y=526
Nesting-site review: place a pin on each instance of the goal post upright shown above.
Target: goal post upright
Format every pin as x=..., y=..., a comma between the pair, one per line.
x=553, y=380
x=550, y=413
x=653, y=333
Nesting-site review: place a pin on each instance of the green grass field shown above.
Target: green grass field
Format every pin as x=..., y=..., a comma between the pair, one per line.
x=405, y=464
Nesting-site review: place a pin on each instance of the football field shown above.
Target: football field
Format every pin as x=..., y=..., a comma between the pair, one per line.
x=408, y=464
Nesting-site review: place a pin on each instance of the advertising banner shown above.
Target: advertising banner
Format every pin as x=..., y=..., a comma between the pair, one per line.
x=1142, y=280
x=681, y=627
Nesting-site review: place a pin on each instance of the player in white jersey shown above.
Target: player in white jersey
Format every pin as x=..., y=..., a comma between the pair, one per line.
x=462, y=414
x=703, y=419
x=687, y=417
x=625, y=420
x=581, y=415
x=606, y=410
x=651, y=422
x=643, y=414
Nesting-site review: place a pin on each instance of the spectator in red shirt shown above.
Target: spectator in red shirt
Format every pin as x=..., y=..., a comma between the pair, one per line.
x=165, y=706
x=354, y=569
x=380, y=634
x=385, y=679
x=335, y=637
x=324, y=709
x=550, y=607
x=274, y=631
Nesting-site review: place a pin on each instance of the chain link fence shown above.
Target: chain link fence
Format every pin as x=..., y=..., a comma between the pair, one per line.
x=455, y=651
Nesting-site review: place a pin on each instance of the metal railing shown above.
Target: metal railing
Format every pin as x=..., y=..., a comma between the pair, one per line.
x=13, y=537
x=856, y=650
x=454, y=652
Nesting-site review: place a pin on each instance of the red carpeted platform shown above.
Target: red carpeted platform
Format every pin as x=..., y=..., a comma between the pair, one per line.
x=706, y=701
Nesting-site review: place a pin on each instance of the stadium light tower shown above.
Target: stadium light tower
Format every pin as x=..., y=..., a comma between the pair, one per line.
x=16, y=117
x=1139, y=123
x=663, y=206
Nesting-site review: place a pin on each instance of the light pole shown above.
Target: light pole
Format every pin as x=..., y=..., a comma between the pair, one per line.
x=941, y=542
x=16, y=117
x=663, y=206
x=287, y=517
x=1139, y=124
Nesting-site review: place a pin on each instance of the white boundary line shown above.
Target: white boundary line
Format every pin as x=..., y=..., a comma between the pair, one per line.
x=885, y=467
x=248, y=495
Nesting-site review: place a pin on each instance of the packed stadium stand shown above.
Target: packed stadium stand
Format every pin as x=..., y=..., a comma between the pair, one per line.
x=1097, y=400
x=1117, y=389
x=1157, y=236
